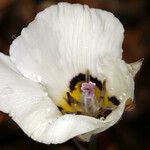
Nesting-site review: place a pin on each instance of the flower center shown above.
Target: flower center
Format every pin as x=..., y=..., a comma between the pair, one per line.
x=88, y=96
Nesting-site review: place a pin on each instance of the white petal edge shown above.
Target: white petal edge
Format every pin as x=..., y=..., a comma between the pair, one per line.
x=30, y=107
x=63, y=41
x=135, y=67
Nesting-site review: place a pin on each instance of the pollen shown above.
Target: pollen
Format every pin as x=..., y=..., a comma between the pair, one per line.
x=87, y=95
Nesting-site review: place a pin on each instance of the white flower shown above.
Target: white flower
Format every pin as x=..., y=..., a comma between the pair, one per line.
x=65, y=76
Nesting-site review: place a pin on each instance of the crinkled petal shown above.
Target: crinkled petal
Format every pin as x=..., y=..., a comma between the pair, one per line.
x=29, y=105
x=63, y=41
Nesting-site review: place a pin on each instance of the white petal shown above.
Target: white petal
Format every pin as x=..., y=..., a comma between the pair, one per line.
x=69, y=126
x=27, y=103
x=135, y=67
x=65, y=40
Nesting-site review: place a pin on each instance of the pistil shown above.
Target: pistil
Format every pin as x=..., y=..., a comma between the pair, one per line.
x=90, y=103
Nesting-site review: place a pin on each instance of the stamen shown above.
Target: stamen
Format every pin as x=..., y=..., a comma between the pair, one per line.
x=103, y=89
x=70, y=99
x=103, y=92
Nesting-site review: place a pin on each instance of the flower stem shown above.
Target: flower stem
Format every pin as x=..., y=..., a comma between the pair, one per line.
x=78, y=145
x=93, y=143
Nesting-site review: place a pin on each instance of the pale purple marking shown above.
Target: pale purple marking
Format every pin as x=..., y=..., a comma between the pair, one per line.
x=88, y=89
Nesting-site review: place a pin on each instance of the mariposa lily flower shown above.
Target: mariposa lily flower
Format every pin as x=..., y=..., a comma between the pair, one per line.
x=65, y=76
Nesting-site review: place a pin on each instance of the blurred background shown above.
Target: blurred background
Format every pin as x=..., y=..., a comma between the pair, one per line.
x=133, y=131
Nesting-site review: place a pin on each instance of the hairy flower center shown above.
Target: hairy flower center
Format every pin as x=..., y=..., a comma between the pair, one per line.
x=88, y=96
